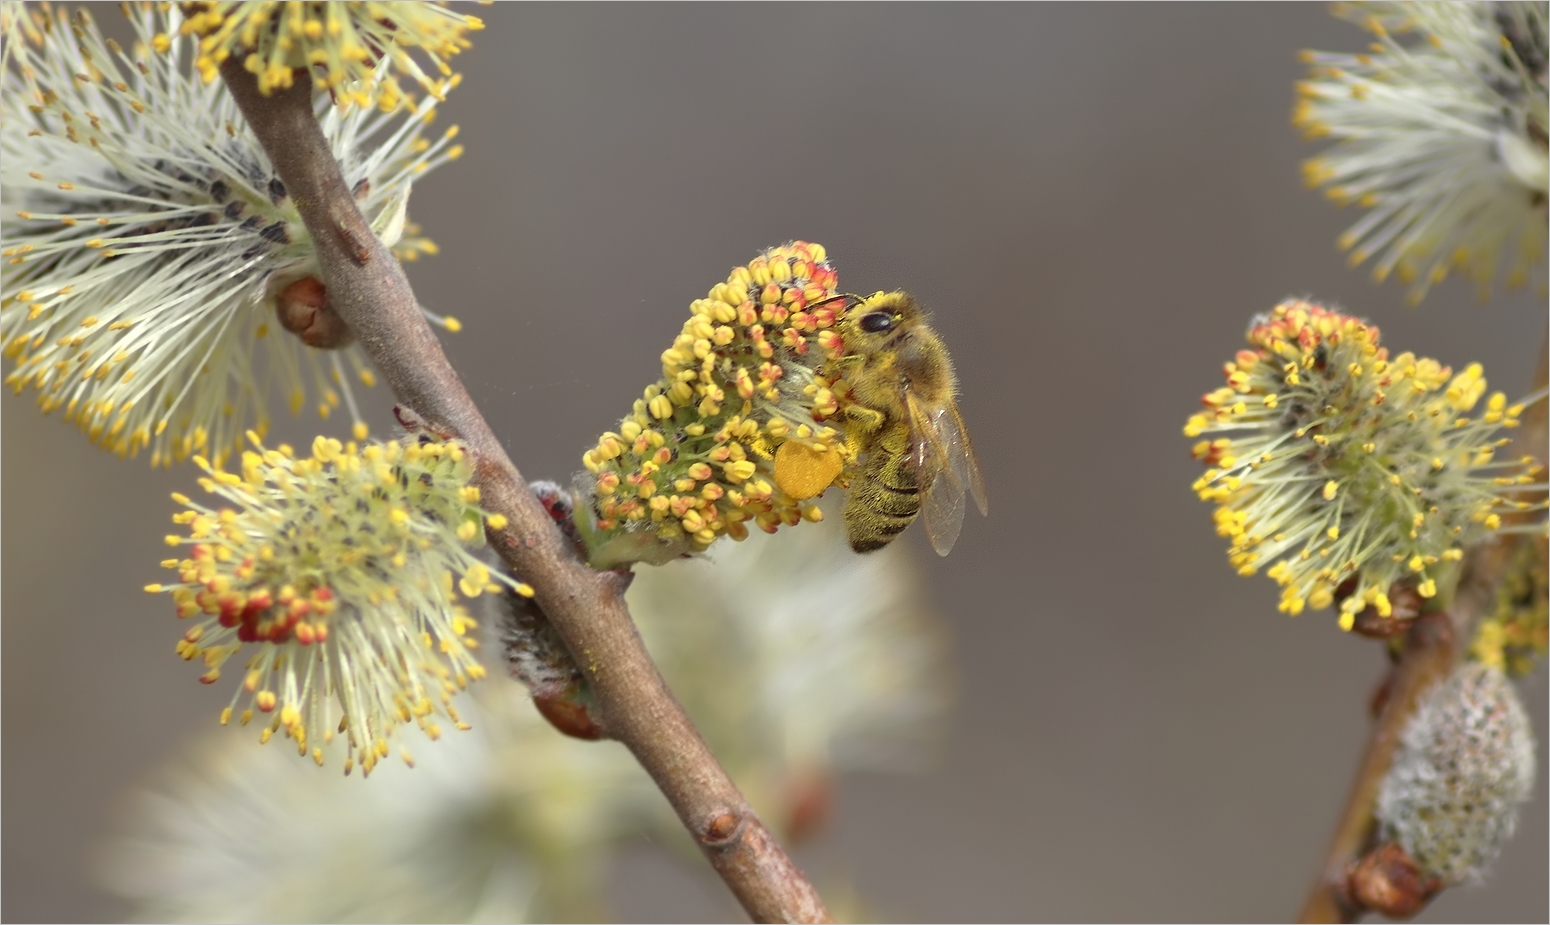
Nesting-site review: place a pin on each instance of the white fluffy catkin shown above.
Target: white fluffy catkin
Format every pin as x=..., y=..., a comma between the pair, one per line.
x=1464, y=766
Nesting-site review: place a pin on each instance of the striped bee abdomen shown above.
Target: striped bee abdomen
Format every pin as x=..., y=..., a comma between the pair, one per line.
x=885, y=499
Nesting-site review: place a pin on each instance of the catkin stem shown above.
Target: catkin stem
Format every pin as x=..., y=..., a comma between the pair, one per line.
x=368, y=289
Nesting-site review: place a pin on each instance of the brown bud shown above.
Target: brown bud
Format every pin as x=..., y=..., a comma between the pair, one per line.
x=570, y=717
x=1405, y=606
x=720, y=830
x=1370, y=624
x=302, y=308
x=1405, y=600
x=1388, y=881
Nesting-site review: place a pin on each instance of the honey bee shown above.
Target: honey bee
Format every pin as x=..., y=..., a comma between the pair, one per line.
x=917, y=455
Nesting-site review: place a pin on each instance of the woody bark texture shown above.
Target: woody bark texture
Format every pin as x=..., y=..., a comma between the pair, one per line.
x=369, y=291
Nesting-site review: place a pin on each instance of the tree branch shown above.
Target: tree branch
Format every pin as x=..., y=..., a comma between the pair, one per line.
x=1433, y=646
x=368, y=289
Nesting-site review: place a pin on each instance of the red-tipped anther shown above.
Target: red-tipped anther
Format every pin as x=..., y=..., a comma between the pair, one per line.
x=231, y=603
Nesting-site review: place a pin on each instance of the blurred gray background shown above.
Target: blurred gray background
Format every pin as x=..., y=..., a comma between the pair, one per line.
x=1093, y=199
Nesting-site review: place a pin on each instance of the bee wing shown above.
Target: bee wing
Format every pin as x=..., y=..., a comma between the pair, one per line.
x=940, y=481
x=965, y=462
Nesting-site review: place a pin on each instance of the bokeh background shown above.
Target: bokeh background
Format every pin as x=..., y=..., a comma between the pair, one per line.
x=1093, y=199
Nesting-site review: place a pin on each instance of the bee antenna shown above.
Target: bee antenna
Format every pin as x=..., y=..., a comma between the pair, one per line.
x=850, y=299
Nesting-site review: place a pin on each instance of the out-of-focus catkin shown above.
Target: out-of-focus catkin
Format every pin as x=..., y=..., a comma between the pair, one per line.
x=1464, y=766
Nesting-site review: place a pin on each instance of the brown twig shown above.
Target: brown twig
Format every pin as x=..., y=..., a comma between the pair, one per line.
x=368, y=289
x=1434, y=644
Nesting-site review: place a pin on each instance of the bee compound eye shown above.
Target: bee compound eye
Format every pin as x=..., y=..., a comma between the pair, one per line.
x=876, y=322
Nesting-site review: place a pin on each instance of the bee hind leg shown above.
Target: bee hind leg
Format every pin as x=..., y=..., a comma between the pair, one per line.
x=866, y=420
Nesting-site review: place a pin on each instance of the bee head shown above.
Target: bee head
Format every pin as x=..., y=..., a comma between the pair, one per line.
x=881, y=315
